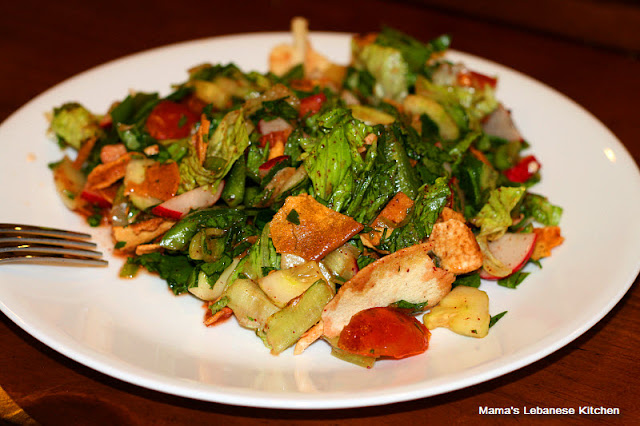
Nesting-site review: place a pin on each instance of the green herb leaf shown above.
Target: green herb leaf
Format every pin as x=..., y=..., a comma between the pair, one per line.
x=413, y=307
x=494, y=319
x=94, y=220
x=469, y=280
x=293, y=217
x=514, y=280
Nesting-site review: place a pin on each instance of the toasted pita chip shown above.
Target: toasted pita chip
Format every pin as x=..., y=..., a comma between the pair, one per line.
x=306, y=228
x=548, y=238
x=308, y=337
x=456, y=246
x=140, y=233
x=104, y=175
x=408, y=274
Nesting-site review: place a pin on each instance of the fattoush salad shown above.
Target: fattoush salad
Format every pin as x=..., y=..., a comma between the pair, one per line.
x=360, y=204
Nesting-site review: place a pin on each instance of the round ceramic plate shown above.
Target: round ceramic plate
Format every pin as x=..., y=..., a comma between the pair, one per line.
x=137, y=331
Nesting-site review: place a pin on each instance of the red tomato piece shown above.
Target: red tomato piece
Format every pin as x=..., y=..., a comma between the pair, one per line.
x=524, y=170
x=387, y=332
x=272, y=138
x=476, y=80
x=311, y=104
x=170, y=120
x=194, y=104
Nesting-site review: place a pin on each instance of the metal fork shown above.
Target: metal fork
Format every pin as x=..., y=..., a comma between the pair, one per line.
x=49, y=246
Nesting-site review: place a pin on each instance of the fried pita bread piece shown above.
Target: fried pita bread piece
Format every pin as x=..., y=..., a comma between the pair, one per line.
x=456, y=246
x=140, y=233
x=104, y=175
x=547, y=238
x=408, y=274
x=306, y=228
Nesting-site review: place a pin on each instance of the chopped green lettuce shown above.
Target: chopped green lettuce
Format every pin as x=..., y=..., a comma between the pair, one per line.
x=494, y=319
x=227, y=144
x=426, y=210
x=334, y=161
x=477, y=180
x=270, y=110
x=495, y=216
x=391, y=150
x=514, y=280
x=388, y=68
x=192, y=173
x=541, y=210
x=467, y=106
x=73, y=124
x=414, y=52
x=469, y=280
x=175, y=269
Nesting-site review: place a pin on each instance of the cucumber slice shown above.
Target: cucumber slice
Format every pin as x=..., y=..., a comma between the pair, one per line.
x=285, y=327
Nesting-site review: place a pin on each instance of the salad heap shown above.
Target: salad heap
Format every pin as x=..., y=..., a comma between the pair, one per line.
x=319, y=201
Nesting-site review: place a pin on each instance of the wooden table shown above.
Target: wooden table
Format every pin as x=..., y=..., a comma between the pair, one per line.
x=42, y=43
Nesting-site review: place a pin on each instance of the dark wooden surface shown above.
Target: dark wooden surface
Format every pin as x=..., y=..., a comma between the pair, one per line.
x=42, y=43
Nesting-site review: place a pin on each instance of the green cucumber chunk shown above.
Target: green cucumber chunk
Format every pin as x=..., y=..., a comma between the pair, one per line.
x=250, y=305
x=285, y=327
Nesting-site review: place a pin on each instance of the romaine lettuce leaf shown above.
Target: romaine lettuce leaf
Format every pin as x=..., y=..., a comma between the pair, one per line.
x=414, y=52
x=227, y=144
x=495, y=216
x=388, y=68
x=175, y=269
x=541, y=210
x=334, y=162
x=192, y=173
x=73, y=124
x=391, y=150
x=476, y=180
x=426, y=210
x=467, y=106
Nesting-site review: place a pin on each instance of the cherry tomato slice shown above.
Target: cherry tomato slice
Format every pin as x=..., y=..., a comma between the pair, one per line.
x=387, y=332
x=170, y=120
x=524, y=170
x=311, y=104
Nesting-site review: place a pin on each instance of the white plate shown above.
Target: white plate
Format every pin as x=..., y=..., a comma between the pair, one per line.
x=138, y=332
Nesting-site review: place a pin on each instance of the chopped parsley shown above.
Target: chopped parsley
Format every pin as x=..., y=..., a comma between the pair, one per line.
x=293, y=217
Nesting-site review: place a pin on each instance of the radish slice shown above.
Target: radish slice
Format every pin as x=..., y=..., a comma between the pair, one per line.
x=513, y=250
x=266, y=167
x=276, y=125
x=95, y=198
x=499, y=123
x=178, y=206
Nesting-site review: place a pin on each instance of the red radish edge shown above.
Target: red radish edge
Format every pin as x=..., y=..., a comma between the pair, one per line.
x=513, y=250
x=177, y=207
x=264, y=168
x=95, y=198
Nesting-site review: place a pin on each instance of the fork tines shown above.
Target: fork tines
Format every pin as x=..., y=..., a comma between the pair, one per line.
x=42, y=245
